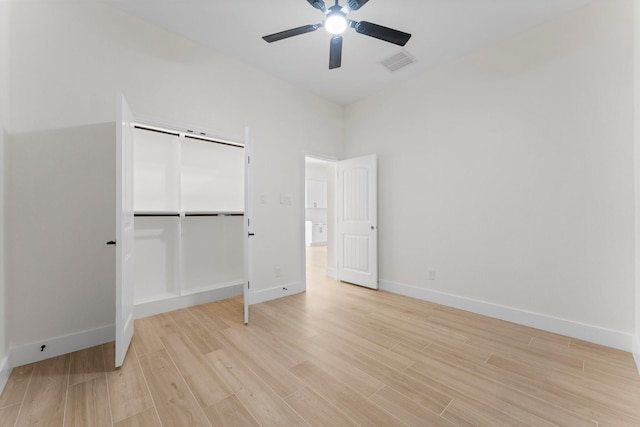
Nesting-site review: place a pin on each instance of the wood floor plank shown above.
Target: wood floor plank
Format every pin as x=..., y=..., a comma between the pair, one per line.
x=44, y=401
x=206, y=313
x=343, y=397
x=203, y=338
x=344, y=321
x=360, y=381
x=86, y=365
x=146, y=339
x=534, y=354
x=605, y=353
x=406, y=410
x=461, y=413
x=206, y=385
x=255, y=395
x=316, y=410
x=16, y=385
x=164, y=325
x=268, y=366
x=9, y=414
x=251, y=339
x=614, y=370
x=269, y=317
x=338, y=338
x=581, y=390
x=480, y=326
x=420, y=393
x=230, y=412
x=464, y=380
x=461, y=351
x=230, y=311
x=128, y=392
x=146, y=418
x=509, y=396
x=172, y=398
x=430, y=331
x=88, y=404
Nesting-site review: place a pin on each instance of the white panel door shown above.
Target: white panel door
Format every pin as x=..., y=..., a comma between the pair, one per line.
x=125, y=273
x=358, y=221
x=248, y=227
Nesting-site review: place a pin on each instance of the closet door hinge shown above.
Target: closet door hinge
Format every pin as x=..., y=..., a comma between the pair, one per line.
x=248, y=285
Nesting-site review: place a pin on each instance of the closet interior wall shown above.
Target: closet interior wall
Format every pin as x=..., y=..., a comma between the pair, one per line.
x=189, y=205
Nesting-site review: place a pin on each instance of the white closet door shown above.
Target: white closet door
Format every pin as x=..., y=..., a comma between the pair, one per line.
x=124, y=230
x=248, y=227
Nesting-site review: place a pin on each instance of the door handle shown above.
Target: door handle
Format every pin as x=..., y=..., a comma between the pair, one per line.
x=252, y=234
x=111, y=242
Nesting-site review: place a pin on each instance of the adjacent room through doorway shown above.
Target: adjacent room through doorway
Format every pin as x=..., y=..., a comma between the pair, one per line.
x=320, y=215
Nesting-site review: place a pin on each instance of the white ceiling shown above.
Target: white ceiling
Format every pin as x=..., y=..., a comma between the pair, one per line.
x=442, y=30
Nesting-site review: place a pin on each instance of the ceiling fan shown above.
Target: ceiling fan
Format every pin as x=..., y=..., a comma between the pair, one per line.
x=336, y=23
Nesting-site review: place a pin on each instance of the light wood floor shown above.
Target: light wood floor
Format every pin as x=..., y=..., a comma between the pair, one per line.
x=337, y=355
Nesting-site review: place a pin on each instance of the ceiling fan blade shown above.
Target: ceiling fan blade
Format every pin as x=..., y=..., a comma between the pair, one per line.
x=353, y=5
x=318, y=4
x=383, y=33
x=290, y=33
x=335, y=52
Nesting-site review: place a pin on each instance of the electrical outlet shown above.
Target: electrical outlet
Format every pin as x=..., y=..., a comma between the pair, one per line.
x=432, y=275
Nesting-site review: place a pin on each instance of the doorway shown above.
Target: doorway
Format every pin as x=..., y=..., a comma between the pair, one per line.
x=348, y=199
x=319, y=217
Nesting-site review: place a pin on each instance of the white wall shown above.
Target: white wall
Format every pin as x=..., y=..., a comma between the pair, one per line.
x=636, y=15
x=68, y=61
x=3, y=306
x=60, y=215
x=4, y=113
x=510, y=171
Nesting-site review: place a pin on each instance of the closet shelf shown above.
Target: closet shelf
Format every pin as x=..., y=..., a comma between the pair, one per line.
x=155, y=213
x=195, y=213
x=204, y=213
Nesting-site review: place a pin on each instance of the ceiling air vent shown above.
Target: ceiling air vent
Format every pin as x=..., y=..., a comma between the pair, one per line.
x=397, y=61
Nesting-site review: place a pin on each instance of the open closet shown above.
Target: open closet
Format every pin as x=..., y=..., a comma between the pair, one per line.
x=188, y=205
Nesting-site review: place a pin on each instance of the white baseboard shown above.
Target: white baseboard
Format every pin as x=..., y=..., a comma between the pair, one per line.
x=57, y=346
x=594, y=334
x=331, y=272
x=636, y=351
x=277, y=292
x=5, y=371
x=175, y=303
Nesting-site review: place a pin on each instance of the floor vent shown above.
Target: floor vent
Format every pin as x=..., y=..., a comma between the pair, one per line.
x=397, y=61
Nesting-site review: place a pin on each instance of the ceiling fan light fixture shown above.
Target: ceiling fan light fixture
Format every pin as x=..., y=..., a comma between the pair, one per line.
x=336, y=23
